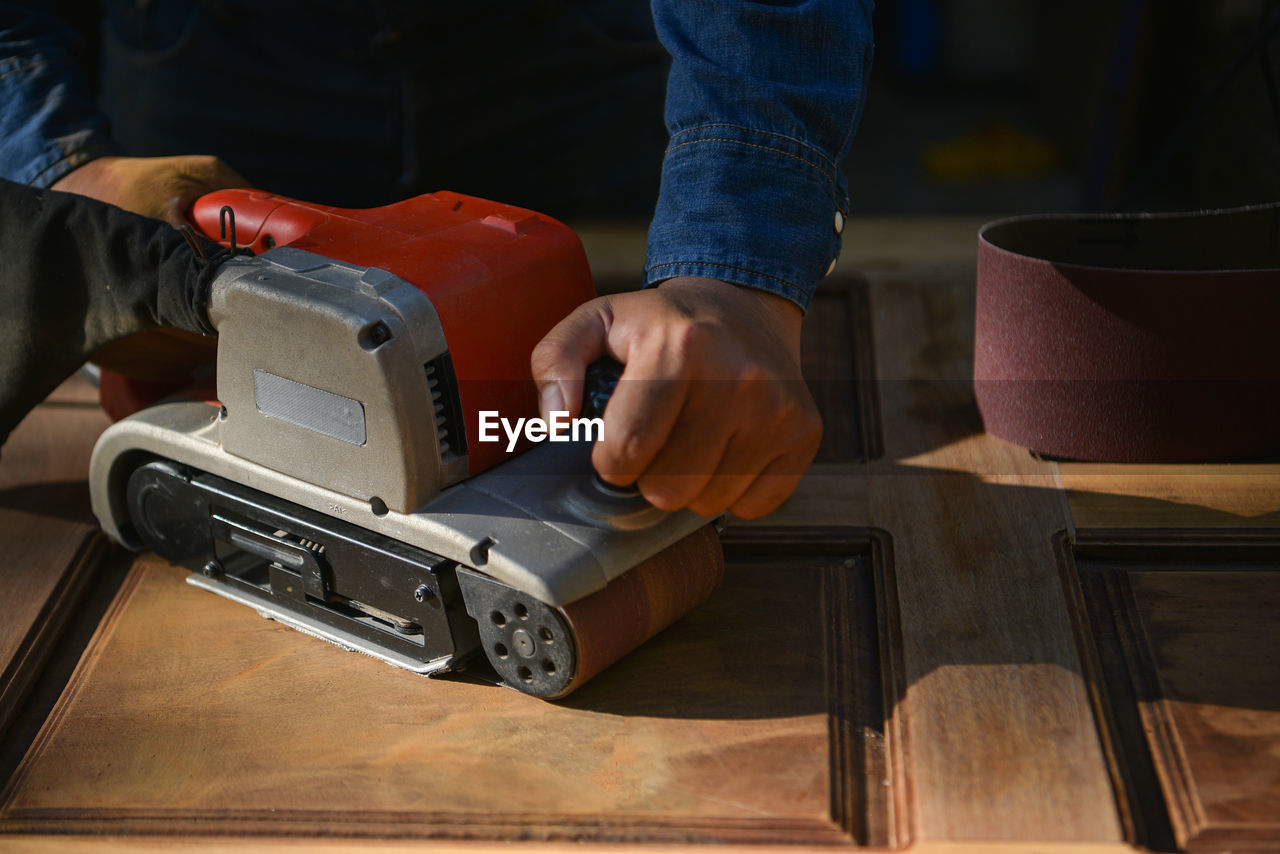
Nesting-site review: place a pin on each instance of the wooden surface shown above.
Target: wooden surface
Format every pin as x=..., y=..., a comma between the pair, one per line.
x=939, y=643
x=159, y=845
x=1000, y=735
x=1190, y=496
x=1211, y=638
x=838, y=360
x=243, y=726
x=48, y=537
x=1188, y=675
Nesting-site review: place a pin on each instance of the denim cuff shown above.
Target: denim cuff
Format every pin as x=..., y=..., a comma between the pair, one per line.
x=66, y=154
x=48, y=126
x=755, y=208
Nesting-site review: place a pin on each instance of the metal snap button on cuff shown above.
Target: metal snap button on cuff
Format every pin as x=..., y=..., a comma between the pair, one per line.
x=839, y=223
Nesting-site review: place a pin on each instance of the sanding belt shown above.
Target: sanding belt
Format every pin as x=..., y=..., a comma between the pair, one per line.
x=1132, y=338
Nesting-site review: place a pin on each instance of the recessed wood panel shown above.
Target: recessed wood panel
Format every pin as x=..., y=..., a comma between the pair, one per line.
x=1187, y=645
x=764, y=716
x=836, y=357
x=48, y=537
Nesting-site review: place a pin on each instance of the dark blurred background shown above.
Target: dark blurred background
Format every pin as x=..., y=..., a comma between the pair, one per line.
x=1009, y=106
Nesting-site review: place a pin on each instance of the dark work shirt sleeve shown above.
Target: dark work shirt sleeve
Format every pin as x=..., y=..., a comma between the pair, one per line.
x=762, y=103
x=49, y=123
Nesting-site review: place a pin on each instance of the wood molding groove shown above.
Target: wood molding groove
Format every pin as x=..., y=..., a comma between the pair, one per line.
x=51, y=544
x=21, y=669
x=71, y=780
x=1173, y=627
x=838, y=359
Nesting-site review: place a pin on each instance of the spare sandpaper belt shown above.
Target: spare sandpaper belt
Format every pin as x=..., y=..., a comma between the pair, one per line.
x=1132, y=338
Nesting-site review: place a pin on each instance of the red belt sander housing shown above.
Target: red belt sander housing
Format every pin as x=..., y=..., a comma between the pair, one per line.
x=338, y=485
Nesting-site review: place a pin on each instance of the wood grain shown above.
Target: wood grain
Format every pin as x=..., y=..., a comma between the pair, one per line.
x=1168, y=496
x=47, y=534
x=189, y=714
x=33, y=844
x=838, y=363
x=75, y=391
x=1190, y=685
x=196, y=724
x=872, y=244
x=1002, y=740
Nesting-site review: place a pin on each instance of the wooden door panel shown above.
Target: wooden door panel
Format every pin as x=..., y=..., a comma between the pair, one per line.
x=761, y=717
x=48, y=538
x=998, y=720
x=839, y=366
x=1187, y=641
x=1003, y=711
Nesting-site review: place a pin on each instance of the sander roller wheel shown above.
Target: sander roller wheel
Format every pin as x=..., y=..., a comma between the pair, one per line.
x=550, y=651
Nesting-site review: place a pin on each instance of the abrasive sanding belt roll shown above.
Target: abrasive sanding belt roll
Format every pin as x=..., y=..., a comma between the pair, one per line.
x=551, y=651
x=1132, y=338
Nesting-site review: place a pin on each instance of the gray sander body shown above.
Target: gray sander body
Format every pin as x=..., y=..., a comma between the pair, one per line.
x=329, y=403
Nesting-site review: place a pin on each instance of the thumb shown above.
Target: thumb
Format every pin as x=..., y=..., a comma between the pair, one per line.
x=560, y=360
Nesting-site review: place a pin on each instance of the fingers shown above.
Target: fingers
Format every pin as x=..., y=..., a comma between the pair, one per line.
x=770, y=488
x=193, y=176
x=711, y=413
x=640, y=416
x=209, y=172
x=696, y=449
x=751, y=470
x=159, y=187
x=559, y=361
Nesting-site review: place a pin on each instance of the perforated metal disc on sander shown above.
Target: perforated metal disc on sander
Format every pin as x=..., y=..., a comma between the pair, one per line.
x=1135, y=338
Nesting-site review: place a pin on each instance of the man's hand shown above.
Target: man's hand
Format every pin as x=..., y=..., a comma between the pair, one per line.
x=159, y=187
x=712, y=412
x=162, y=188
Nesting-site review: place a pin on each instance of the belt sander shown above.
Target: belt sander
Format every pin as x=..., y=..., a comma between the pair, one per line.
x=337, y=484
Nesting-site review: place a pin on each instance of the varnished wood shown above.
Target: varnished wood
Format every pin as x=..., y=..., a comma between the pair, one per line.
x=197, y=724
x=53, y=443
x=78, y=390
x=48, y=537
x=29, y=844
x=1184, y=637
x=1210, y=638
x=879, y=245
x=191, y=714
x=1186, y=496
x=1002, y=742
x=837, y=357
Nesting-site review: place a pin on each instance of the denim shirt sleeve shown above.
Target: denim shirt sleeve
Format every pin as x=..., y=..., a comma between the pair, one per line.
x=762, y=103
x=49, y=123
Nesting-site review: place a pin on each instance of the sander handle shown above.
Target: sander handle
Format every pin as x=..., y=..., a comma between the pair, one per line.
x=600, y=383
